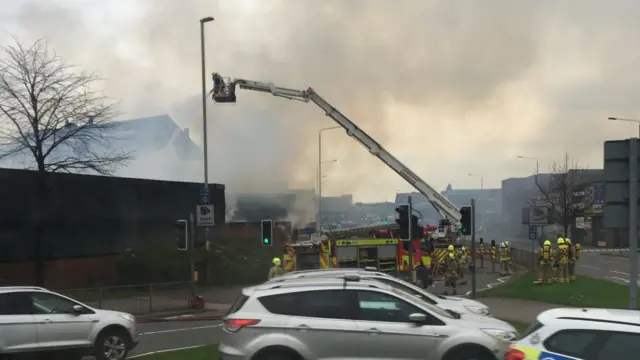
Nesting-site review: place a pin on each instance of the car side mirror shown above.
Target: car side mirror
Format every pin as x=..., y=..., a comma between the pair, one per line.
x=77, y=309
x=418, y=318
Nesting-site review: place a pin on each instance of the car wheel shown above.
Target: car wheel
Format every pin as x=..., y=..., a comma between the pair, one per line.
x=278, y=355
x=112, y=345
x=471, y=352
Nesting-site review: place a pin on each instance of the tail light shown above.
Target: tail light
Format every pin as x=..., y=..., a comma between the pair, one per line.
x=234, y=325
x=514, y=354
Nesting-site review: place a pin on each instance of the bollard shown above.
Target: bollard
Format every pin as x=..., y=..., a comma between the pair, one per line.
x=493, y=259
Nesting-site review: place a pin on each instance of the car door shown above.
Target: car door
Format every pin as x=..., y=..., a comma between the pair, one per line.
x=323, y=322
x=616, y=345
x=58, y=325
x=383, y=320
x=18, y=329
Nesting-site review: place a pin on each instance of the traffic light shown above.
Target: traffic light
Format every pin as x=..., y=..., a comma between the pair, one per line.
x=182, y=235
x=267, y=232
x=403, y=221
x=416, y=229
x=465, y=220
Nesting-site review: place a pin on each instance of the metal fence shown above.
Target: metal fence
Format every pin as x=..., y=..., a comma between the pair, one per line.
x=136, y=299
x=524, y=258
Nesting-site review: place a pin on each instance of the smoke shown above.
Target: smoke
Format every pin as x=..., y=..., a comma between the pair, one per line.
x=451, y=87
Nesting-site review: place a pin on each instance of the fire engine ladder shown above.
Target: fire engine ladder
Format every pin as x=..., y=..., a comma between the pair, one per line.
x=443, y=206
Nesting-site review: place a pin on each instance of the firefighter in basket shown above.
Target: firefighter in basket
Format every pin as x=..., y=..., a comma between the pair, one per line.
x=451, y=274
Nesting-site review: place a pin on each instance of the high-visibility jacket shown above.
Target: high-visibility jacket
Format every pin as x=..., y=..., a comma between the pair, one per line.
x=504, y=254
x=563, y=254
x=275, y=271
x=545, y=255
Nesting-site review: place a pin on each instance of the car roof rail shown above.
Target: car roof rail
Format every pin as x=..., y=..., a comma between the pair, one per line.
x=26, y=287
x=370, y=268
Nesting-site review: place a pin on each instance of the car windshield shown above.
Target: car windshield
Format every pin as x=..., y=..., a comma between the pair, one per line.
x=422, y=302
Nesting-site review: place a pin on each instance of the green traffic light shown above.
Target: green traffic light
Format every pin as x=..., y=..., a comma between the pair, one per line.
x=266, y=241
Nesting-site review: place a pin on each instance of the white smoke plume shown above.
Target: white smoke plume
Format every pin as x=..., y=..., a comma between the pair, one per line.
x=451, y=87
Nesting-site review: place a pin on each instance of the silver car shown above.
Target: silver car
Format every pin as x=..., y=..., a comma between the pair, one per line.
x=352, y=318
x=34, y=320
x=454, y=303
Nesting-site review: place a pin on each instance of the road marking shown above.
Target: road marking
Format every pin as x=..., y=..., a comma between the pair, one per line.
x=165, y=351
x=501, y=281
x=181, y=329
x=590, y=267
x=619, y=279
x=620, y=272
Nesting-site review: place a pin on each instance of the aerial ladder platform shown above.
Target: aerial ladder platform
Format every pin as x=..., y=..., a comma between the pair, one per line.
x=450, y=214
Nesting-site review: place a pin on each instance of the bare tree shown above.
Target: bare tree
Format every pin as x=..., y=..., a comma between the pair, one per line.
x=563, y=181
x=53, y=119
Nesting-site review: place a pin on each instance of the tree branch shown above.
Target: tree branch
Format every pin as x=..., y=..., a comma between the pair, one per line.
x=52, y=112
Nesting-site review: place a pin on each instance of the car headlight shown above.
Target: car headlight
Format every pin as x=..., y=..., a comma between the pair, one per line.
x=478, y=310
x=127, y=317
x=501, y=334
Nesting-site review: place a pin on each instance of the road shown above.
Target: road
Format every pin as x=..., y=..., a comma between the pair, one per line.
x=172, y=335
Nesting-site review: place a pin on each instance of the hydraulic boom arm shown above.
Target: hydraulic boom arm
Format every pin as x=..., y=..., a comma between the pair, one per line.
x=445, y=208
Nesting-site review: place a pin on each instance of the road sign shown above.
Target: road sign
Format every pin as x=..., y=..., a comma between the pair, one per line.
x=207, y=233
x=533, y=233
x=538, y=215
x=617, y=174
x=204, y=195
x=204, y=215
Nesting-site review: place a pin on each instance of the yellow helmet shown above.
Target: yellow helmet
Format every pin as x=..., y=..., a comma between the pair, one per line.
x=452, y=256
x=547, y=242
x=276, y=261
x=568, y=241
x=578, y=247
x=214, y=73
x=450, y=248
x=560, y=241
x=462, y=248
x=506, y=243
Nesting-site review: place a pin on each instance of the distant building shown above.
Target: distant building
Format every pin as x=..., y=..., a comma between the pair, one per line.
x=488, y=207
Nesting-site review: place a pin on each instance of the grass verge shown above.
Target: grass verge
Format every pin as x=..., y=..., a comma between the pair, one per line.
x=200, y=353
x=519, y=325
x=584, y=292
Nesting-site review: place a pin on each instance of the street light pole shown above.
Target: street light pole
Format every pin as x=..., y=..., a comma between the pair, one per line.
x=637, y=121
x=204, y=104
x=319, y=217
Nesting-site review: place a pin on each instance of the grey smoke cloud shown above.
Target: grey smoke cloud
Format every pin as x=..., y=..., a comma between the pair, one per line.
x=451, y=87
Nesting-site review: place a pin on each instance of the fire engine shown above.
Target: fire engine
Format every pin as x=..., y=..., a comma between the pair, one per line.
x=369, y=246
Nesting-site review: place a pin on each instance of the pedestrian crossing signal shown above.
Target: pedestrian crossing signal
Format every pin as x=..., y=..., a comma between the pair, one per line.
x=267, y=232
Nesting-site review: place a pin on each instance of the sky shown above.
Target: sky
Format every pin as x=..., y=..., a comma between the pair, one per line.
x=450, y=87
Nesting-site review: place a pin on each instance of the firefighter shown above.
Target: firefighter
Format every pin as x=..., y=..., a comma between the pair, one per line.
x=504, y=260
x=276, y=270
x=463, y=263
x=450, y=277
x=545, y=259
x=572, y=261
x=510, y=262
x=218, y=84
x=562, y=260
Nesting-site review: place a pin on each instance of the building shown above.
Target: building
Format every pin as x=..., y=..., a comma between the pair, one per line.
x=488, y=204
x=337, y=209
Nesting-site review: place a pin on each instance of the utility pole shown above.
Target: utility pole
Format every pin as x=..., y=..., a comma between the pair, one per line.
x=411, y=266
x=633, y=223
x=473, y=248
x=192, y=253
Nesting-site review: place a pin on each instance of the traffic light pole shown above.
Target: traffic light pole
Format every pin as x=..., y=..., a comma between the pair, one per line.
x=192, y=253
x=411, y=265
x=473, y=248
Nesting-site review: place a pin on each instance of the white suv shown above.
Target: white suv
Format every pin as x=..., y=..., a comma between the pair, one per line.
x=352, y=318
x=458, y=304
x=36, y=320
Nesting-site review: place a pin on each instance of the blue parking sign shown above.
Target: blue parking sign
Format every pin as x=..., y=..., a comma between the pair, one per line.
x=533, y=232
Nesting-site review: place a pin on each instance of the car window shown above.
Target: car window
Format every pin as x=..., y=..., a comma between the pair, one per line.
x=619, y=346
x=239, y=303
x=328, y=304
x=375, y=306
x=535, y=326
x=18, y=303
x=407, y=289
x=570, y=342
x=426, y=305
x=47, y=303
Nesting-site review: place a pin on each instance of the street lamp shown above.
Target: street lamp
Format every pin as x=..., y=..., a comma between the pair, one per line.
x=481, y=180
x=204, y=106
x=627, y=120
x=318, y=220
